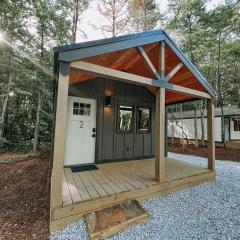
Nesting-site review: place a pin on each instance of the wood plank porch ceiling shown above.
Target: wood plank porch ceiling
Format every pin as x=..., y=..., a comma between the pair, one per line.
x=129, y=60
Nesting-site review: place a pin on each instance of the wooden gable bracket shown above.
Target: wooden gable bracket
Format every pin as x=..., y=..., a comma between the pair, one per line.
x=161, y=64
x=173, y=72
x=149, y=63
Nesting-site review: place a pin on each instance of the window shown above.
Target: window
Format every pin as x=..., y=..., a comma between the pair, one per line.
x=83, y=109
x=125, y=118
x=143, y=118
x=236, y=124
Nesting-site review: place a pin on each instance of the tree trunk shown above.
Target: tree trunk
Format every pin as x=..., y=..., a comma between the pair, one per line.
x=3, y=114
x=75, y=21
x=222, y=123
x=37, y=123
x=195, y=124
x=219, y=84
x=114, y=20
x=202, y=123
x=5, y=103
x=182, y=137
x=38, y=76
x=173, y=134
x=172, y=129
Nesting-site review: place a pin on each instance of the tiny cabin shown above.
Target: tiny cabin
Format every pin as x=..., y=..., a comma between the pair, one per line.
x=109, y=141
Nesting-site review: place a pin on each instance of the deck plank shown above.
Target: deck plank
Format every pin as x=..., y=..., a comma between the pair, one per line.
x=98, y=186
x=114, y=179
x=90, y=188
x=127, y=178
x=66, y=196
x=76, y=197
x=103, y=183
x=114, y=171
x=133, y=170
x=82, y=189
x=111, y=184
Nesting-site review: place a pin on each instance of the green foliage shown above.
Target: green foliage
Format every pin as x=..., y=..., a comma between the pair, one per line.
x=32, y=27
x=144, y=15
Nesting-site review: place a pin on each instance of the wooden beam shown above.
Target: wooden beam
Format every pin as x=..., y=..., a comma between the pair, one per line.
x=160, y=136
x=135, y=79
x=59, y=136
x=210, y=131
x=173, y=72
x=131, y=63
x=149, y=63
x=114, y=74
x=187, y=91
x=162, y=59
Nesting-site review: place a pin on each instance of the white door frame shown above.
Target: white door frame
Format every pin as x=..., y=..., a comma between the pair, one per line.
x=68, y=159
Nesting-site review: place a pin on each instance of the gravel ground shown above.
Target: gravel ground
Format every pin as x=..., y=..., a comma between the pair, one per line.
x=208, y=211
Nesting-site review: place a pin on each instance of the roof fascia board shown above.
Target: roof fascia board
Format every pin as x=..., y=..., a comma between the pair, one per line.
x=188, y=64
x=77, y=54
x=105, y=41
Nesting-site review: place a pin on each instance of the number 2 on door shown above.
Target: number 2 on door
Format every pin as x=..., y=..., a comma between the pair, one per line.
x=81, y=124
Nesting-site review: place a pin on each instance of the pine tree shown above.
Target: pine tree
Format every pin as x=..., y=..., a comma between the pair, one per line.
x=145, y=15
x=115, y=17
x=73, y=10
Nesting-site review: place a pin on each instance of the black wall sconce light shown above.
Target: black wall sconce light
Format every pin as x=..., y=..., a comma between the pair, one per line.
x=108, y=101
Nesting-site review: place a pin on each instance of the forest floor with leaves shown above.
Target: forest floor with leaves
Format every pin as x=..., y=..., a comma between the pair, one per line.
x=24, y=191
x=24, y=196
x=202, y=151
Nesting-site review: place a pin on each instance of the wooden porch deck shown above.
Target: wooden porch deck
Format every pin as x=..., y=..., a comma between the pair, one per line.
x=117, y=182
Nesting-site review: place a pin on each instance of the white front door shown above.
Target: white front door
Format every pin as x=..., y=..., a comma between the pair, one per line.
x=80, y=132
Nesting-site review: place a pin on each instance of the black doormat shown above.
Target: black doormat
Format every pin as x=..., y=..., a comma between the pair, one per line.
x=83, y=168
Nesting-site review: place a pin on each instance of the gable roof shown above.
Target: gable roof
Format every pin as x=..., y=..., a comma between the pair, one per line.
x=73, y=52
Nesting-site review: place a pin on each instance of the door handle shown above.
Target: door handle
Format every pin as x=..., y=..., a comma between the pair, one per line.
x=93, y=130
x=93, y=135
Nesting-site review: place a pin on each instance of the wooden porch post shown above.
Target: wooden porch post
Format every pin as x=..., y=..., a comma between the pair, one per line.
x=210, y=131
x=162, y=59
x=160, y=136
x=59, y=138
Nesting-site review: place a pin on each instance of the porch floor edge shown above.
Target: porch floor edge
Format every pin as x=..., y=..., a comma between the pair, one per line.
x=62, y=217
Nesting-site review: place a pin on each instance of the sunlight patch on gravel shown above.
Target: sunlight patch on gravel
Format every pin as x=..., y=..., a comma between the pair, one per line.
x=208, y=211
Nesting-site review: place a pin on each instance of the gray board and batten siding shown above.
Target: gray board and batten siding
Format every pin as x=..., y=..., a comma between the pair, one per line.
x=112, y=145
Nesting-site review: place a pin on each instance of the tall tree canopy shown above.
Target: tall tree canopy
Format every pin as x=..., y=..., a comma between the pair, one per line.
x=115, y=17
x=145, y=15
x=31, y=29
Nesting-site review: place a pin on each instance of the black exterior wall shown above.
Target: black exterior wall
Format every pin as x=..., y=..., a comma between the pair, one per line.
x=110, y=144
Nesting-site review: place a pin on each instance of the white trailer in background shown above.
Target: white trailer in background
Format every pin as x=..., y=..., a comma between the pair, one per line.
x=179, y=122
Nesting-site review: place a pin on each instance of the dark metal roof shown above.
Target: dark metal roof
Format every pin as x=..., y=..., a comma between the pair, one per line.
x=74, y=46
